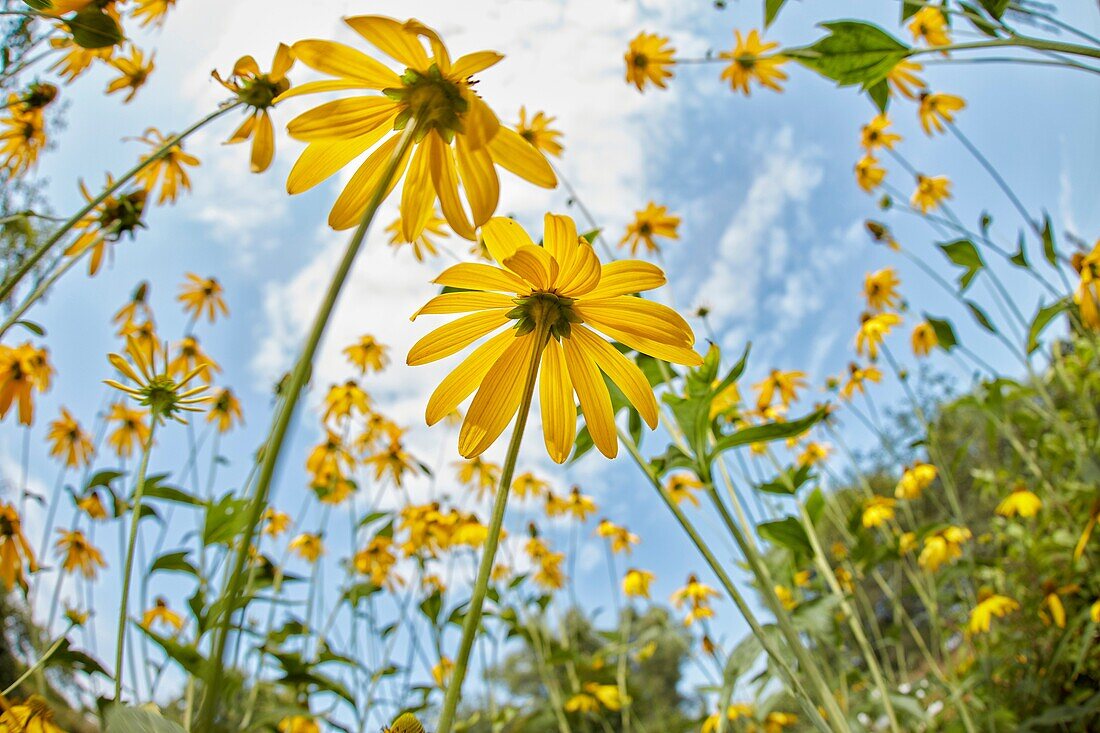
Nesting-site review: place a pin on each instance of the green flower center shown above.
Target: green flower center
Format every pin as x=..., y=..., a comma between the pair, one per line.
x=161, y=396
x=544, y=310
x=122, y=216
x=261, y=91
x=433, y=100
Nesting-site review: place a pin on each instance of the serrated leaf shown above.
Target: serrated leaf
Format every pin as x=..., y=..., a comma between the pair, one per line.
x=853, y=53
x=963, y=253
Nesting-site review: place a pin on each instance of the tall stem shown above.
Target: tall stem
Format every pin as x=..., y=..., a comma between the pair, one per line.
x=274, y=444
x=128, y=567
x=485, y=569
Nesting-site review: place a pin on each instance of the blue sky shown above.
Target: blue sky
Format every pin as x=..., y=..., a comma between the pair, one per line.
x=772, y=239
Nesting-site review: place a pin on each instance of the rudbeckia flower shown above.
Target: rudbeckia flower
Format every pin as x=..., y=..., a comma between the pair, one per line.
x=1020, y=502
x=225, y=410
x=697, y=597
x=68, y=441
x=936, y=110
x=79, y=553
x=875, y=134
x=275, y=522
x=619, y=538
x=649, y=223
x=134, y=72
x=538, y=132
x=648, y=60
x=942, y=547
x=930, y=24
x=258, y=91
x=877, y=511
x=914, y=480
x=749, y=61
x=307, y=546
x=153, y=384
x=931, y=191
x=857, y=378
x=1087, y=294
x=24, y=369
x=681, y=487
x=872, y=330
x=202, y=295
x=152, y=12
x=526, y=485
x=393, y=460
x=368, y=354
x=924, y=339
x=458, y=137
x=990, y=605
x=555, y=295
x=167, y=170
x=636, y=583
x=869, y=174
x=161, y=613
x=77, y=59
x=785, y=384
x=22, y=137
x=423, y=245
x=132, y=431
x=15, y=550
x=880, y=288
x=298, y=724
x=33, y=715
x=117, y=215
x=191, y=359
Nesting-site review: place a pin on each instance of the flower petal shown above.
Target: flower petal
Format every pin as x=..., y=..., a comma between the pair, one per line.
x=623, y=372
x=263, y=143
x=657, y=349
x=559, y=236
x=323, y=158
x=464, y=303
x=584, y=272
x=461, y=382
x=503, y=237
x=445, y=179
x=337, y=59
x=453, y=337
x=341, y=119
x=480, y=122
x=472, y=63
x=559, y=414
x=479, y=179
x=594, y=398
x=624, y=277
x=533, y=264
x=417, y=196
x=479, y=276
x=281, y=62
x=391, y=38
x=638, y=316
x=498, y=397
x=316, y=87
x=353, y=200
x=513, y=153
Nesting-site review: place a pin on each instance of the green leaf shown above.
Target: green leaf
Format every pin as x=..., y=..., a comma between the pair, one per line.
x=1042, y=319
x=102, y=478
x=431, y=607
x=225, y=519
x=92, y=28
x=815, y=505
x=1050, y=251
x=787, y=482
x=359, y=591
x=975, y=17
x=980, y=316
x=996, y=8
x=769, y=432
x=185, y=655
x=1020, y=258
x=73, y=659
x=121, y=719
x=771, y=10
x=32, y=327
x=154, y=489
x=175, y=562
x=909, y=8
x=692, y=415
x=786, y=532
x=852, y=53
x=945, y=332
x=879, y=92
x=582, y=444
x=672, y=459
x=963, y=253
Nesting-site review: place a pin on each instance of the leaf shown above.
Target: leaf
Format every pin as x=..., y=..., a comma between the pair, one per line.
x=787, y=482
x=359, y=591
x=65, y=657
x=980, y=316
x=672, y=459
x=1050, y=252
x=185, y=655
x=786, y=532
x=771, y=10
x=102, y=478
x=155, y=490
x=769, y=432
x=32, y=327
x=175, y=562
x=92, y=28
x=909, y=8
x=431, y=607
x=224, y=520
x=815, y=505
x=945, y=332
x=121, y=719
x=975, y=17
x=879, y=92
x=963, y=253
x=1020, y=258
x=582, y=444
x=1042, y=319
x=852, y=53
x=692, y=415
x=996, y=8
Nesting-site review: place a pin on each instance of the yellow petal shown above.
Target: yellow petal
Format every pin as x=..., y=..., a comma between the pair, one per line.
x=464, y=303
x=465, y=378
x=341, y=119
x=498, y=397
x=391, y=38
x=624, y=277
x=594, y=398
x=417, y=196
x=445, y=180
x=559, y=236
x=584, y=272
x=533, y=264
x=479, y=179
x=316, y=87
x=559, y=414
x=480, y=123
x=353, y=200
x=243, y=132
x=454, y=336
x=638, y=316
x=623, y=372
x=263, y=144
x=479, y=276
x=281, y=62
x=513, y=153
x=336, y=59
x=657, y=349
x=323, y=158
x=473, y=63
x=503, y=236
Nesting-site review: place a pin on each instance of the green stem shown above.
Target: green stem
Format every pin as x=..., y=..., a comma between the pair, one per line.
x=281, y=424
x=36, y=666
x=1017, y=41
x=485, y=569
x=30, y=263
x=128, y=566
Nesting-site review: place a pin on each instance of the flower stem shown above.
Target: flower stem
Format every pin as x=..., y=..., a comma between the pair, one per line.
x=281, y=424
x=500, y=502
x=36, y=666
x=29, y=264
x=128, y=566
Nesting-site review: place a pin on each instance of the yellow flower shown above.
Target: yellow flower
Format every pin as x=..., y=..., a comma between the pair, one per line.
x=33, y=715
x=329, y=456
x=648, y=60
x=1021, y=502
x=298, y=724
x=930, y=24
x=405, y=723
x=786, y=598
x=161, y=613
x=258, y=91
x=880, y=288
x=202, y=295
x=556, y=294
x=538, y=132
x=903, y=78
x=376, y=560
x=989, y=606
x=620, y=538
x=132, y=431
x=549, y=575
x=479, y=474
x=1086, y=533
x=191, y=359
x=134, y=72
x=582, y=703
x=776, y=722
x=579, y=505
x=869, y=174
x=649, y=223
x=168, y=170
x=307, y=546
x=1052, y=610
x=874, y=134
x=814, y=453
x=786, y=384
x=395, y=460
x=636, y=583
x=914, y=480
x=154, y=385
x=458, y=137
x=696, y=596
x=79, y=553
x=24, y=369
x=275, y=522
x=931, y=191
x=22, y=137
x=441, y=672
x=367, y=354
x=748, y=62
x=1087, y=295
x=527, y=484
x=736, y=711
x=942, y=547
x=938, y=109
x=77, y=59
x=68, y=441
x=924, y=339
x=225, y=410
x=857, y=378
x=872, y=330
x=15, y=550
x=92, y=505
x=878, y=510
x=1094, y=611
x=681, y=487
x=423, y=244
x=332, y=487
x=115, y=216
x=345, y=399
x=152, y=11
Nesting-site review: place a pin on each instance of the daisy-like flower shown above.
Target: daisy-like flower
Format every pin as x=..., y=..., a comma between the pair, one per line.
x=133, y=72
x=649, y=223
x=538, y=132
x=750, y=61
x=942, y=547
x=872, y=330
x=423, y=245
x=929, y=23
x=132, y=431
x=903, y=79
x=368, y=354
x=307, y=546
x=275, y=522
x=989, y=605
x=22, y=137
x=257, y=91
x=393, y=460
x=877, y=511
x=33, y=715
x=857, y=378
x=1020, y=502
x=784, y=384
x=457, y=136
x=202, y=295
x=160, y=613
x=344, y=399
x=479, y=474
x=79, y=554
x=636, y=583
x=923, y=339
x=914, y=480
x=191, y=359
x=138, y=304
x=736, y=711
x=68, y=441
x=649, y=60
x=225, y=410
x=875, y=134
x=869, y=174
x=697, y=597
x=938, y=110
x=814, y=453
x=619, y=538
x=168, y=170
x=880, y=288
x=681, y=487
x=154, y=386
x=527, y=485
x=117, y=215
x=152, y=12
x=931, y=192
x=15, y=550
x=1052, y=610
x=92, y=505
x=376, y=560
x=555, y=295
x=775, y=722
x=75, y=59
x=1087, y=294
x=579, y=505
x=24, y=370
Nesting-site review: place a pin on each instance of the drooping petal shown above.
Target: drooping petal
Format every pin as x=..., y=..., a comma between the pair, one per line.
x=461, y=382
x=263, y=143
x=498, y=397
x=479, y=179
x=584, y=272
x=480, y=123
x=391, y=38
x=417, y=196
x=559, y=414
x=533, y=264
x=342, y=118
x=464, y=303
x=503, y=236
x=513, y=153
x=624, y=277
x=559, y=236
x=475, y=62
x=638, y=316
x=594, y=398
x=243, y=132
x=337, y=59
x=623, y=372
x=453, y=337
x=657, y=349
x=353, y=200
x=479, y=276
x=317, y=87
x=445, y=180
x=281, y=62
x=323, y=158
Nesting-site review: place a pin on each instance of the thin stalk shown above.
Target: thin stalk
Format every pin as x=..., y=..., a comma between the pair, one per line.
x=1016, y=41
x=33, y=669
x=38, y=292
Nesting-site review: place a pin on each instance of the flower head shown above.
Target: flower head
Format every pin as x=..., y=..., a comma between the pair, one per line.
x=929, y=23
x=942, y=546
x=783, y=384
x=1020, y=502
x=117, y=215
x=931, y=192
x=914, y=480
x=154, y=386
x=33, y=715
x=649, y=223
x=1087, y=294
x=167, y=171
x=133, y=72
x=877, y=511
x=923, y=339
x=367, y=354
x=76, y=59
x=649, y=60
x=22, y=137
x=697, y=597
x=68, y=441
x=132, y=431
x=880, y=288
x=869, y=174
x=162, y=614
x=225, y=410
x=24, y=370
x=903, y=79
x=79, y=553
x=857, y=378
x=750, y=61
x=636, y=583
x=201, y=295
x=152, y=12
x=15, y=550
x=258, y=91
x=424, y=244
x=875, y=134
x=307, y=546
x=619, y=538
x=989, y=606
x=936, y=110
x=681, y=487
x=538, y=132
x=873, y=329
